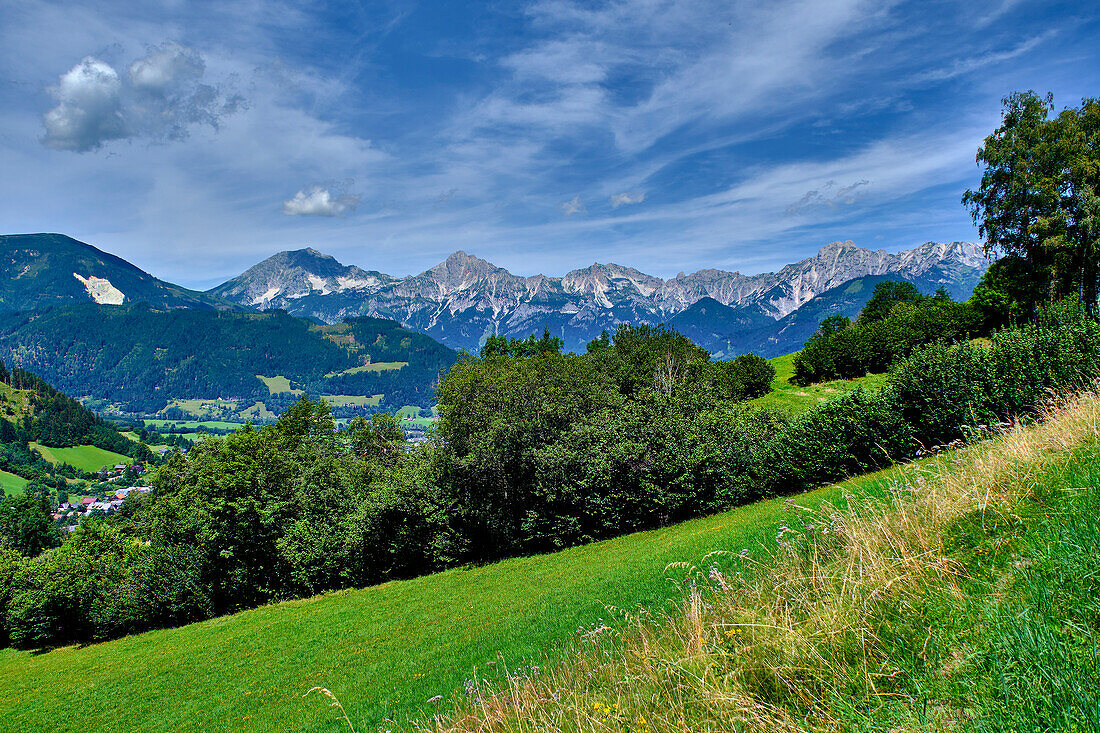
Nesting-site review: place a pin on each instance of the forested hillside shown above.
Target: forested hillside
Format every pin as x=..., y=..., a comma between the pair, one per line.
x=33, y=412
x=143, y=358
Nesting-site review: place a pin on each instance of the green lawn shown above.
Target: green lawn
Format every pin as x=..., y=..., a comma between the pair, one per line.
x=83, y=457
x=795, y=398
x=278, y=385
x=11, y=484
x=383, y=650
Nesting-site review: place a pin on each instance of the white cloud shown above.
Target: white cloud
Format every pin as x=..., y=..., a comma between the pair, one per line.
x=573, y=206
x=319, y=201
x=89, y=109
x=829, y=196
x=161, y=97
x=625, y=198
x=165, y=67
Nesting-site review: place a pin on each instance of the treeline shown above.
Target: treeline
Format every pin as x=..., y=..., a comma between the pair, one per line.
x=895, y=321
x=531, y=453
x=143, y=358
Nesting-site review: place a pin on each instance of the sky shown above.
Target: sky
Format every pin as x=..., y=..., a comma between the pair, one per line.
x=195, y=139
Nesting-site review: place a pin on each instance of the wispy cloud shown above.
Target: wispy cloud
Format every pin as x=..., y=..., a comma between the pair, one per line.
x=573, y=206
x=625, y=198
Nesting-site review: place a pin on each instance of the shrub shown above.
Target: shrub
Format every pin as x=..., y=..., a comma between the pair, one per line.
x=855, y=432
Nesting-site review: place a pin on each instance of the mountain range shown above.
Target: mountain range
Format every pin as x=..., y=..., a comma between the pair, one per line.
x=463, y=299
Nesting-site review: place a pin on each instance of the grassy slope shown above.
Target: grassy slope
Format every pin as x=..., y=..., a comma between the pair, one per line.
x=790, y=396
x=384, y=650
x=964, y=603
x=83, y=457
x=10, y=483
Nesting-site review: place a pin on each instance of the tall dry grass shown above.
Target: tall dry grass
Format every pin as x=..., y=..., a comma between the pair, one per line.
x=845, y=626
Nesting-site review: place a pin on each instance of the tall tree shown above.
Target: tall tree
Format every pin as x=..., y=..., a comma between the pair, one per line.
x=1037, y=191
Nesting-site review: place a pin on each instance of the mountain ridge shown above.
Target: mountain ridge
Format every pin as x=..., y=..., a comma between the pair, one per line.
x=465, y=298
x=46, y=270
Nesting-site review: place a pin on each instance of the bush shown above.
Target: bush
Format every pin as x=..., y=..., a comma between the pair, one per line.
x=941, y=388
x=855, y=432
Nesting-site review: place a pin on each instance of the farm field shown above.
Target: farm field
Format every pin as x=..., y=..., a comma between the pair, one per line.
x=796, y=398
x=384, y=650
x=10, y=483
x=83, y=457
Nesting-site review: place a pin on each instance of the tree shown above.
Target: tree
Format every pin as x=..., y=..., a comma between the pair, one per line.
x=832, y=324
x=1036, y=200
x=888, y=294
x=1002, y=295
x=25, y=522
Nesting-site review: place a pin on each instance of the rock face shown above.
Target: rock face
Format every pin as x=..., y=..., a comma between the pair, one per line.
x=464, y=298
x=45, y=270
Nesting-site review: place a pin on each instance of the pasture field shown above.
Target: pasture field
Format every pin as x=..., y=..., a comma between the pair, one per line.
x=384, y=650
x=11, y=484
x=195, y=407
x=278, y=385
x=83, y=457
x=795, y=398
x=381, y=366
x=193, y=425
x=353, y=400
x=258, y=411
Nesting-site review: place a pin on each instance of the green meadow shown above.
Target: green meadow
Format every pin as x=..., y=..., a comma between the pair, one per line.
x=384, y=650
x=194, y=425
x=381, y=366
x=344, y=400
x=277, y=384
x=795, y=398
x=10, y=483
x=83, y=457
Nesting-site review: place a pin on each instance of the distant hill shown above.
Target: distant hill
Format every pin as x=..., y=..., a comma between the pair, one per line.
x=144, y=358
x=464, y=299
x=45, y=270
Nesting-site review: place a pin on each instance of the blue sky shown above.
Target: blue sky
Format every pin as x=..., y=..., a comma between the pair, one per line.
x=195, y=139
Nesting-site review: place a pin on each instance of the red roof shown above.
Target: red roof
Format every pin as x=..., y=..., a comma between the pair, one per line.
x=87, y=500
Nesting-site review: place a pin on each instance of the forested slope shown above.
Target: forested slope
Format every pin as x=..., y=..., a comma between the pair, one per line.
x=143, y=358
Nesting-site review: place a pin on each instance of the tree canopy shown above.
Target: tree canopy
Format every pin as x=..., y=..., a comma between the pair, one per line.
x=1038, y=195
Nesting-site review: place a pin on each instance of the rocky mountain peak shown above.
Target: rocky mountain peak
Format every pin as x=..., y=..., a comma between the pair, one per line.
x=465, y=297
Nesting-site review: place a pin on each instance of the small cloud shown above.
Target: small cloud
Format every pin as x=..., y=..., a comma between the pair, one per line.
x=160, y=98
x=829, y=197
x=622, y=199
x=574, y=206
x=320, y=201
x=89, y=109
